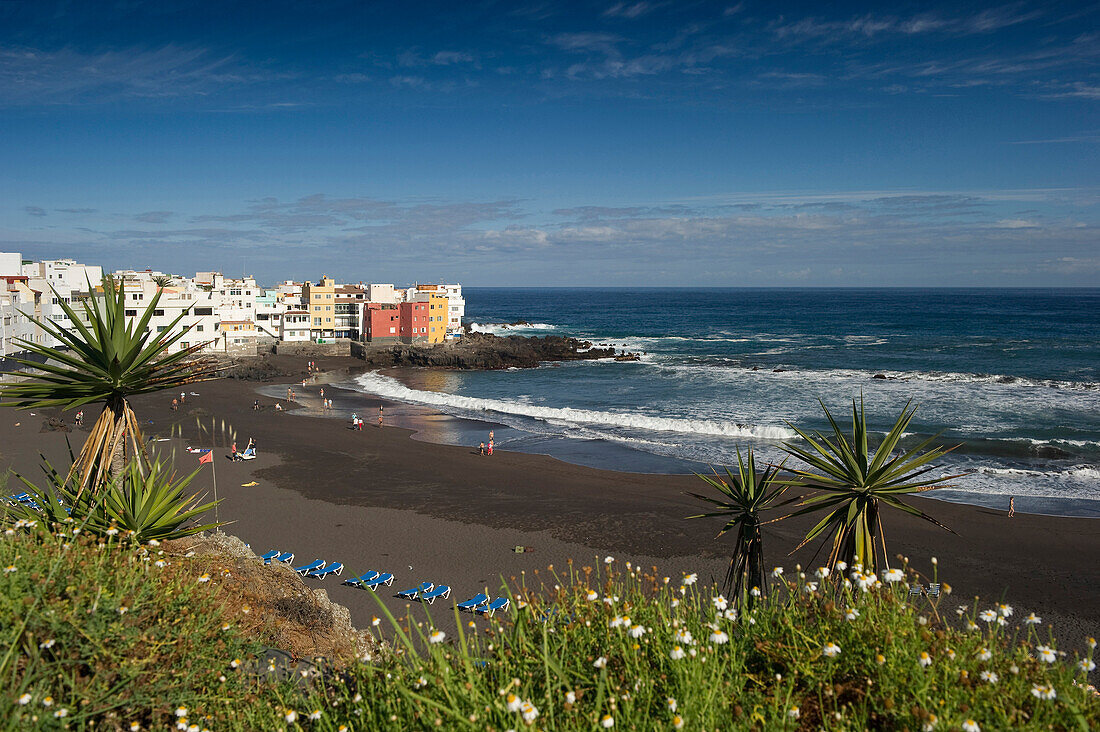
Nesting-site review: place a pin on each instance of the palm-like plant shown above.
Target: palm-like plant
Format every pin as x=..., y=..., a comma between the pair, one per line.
x=744, y=496
x=108, y=360
x=853, y=482
x=162, y=280
x=143, y=501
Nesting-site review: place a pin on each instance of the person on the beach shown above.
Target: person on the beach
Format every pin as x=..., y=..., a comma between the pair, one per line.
x=233, y=451
x=289, y=394
x=79, y=418
x=1011, y=506
x=322, y=393
x=379, y=418
x=481, y=449
x=490, y=436
x=490, y=447
x=175, y=404
x=278, y=406
x=255, y=405
x=183, y=397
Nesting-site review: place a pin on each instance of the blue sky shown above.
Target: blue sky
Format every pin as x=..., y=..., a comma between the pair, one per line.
x=546, y=143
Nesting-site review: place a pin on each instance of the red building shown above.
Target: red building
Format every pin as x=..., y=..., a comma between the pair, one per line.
x=381, y=322
x=414, y=322
x=405, y=322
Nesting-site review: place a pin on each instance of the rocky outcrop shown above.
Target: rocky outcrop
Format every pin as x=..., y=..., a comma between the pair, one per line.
x=486, y=351
x=273, y=603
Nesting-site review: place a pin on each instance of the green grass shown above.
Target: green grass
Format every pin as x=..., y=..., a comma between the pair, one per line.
x=563, y=652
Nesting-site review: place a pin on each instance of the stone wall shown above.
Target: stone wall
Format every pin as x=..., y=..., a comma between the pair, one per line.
x=337, y=347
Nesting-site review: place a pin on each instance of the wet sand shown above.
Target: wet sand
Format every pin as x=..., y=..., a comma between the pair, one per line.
x=377, y=499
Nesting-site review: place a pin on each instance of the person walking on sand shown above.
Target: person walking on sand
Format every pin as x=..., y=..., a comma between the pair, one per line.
x=1011, y=506
x=79, y=418
x=490, y=447
x=289, y=394
x=183, y=397
x=175, y=404
x=481, y=449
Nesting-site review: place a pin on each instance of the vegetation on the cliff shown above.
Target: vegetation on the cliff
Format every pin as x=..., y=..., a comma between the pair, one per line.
x=109, y=634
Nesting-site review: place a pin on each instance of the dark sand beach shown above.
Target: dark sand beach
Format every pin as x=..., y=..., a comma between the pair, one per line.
x=377, y=499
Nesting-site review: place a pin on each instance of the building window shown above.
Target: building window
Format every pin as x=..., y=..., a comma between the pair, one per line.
x=131, y=313
x=158, y=312
x=198, y=327
x=204, y=311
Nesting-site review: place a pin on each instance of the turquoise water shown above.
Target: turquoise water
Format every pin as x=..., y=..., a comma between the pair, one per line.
x=1011, y=376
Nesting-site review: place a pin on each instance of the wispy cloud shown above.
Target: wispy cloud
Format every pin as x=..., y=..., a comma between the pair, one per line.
x=68, y=76
x=34, y=211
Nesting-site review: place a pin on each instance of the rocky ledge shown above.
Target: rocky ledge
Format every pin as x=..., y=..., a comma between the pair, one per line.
x=485, y=351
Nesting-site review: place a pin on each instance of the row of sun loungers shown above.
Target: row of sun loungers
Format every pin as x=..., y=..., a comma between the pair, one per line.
x=424, y=592
x=317, y=568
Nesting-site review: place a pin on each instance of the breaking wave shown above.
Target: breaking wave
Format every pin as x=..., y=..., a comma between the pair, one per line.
x=386, y=386
x=506, y=328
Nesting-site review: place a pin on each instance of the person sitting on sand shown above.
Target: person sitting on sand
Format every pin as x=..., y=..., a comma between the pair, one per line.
x=233, y=452
x=278, y=406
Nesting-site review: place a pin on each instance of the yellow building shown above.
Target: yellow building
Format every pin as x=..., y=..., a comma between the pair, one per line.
x=319, y=299
x=437, y=318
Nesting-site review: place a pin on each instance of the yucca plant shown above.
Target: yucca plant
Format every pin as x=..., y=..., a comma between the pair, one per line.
x=144, y=501
x=109, y=360
x=745, y=496
x=853, y=482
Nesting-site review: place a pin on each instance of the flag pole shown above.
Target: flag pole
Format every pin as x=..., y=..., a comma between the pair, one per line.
x=214, y=472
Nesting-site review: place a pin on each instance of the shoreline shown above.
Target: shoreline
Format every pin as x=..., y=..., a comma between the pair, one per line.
x=379, y=500
x=429, y=425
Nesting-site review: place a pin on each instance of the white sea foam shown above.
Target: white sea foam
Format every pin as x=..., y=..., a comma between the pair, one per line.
x=389, y=387
x=508, y=328
x=942, y=377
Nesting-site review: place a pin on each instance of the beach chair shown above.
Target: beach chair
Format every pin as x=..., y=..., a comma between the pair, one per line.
x=474, y=602
x=383, y=579
x=366, y=577
x=411, y=594
x=501, y=603
x=285, y=557
x=335, y=568
x=270, y=555
x=430, y=597
x=306, y=568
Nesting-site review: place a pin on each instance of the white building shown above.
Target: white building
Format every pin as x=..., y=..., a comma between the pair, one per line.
x=294, y=326
x=383, y=294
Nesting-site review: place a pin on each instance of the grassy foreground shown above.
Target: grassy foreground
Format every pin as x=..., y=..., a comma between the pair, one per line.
x=97, y=634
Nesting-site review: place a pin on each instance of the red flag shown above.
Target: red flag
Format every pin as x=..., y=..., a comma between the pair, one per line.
x=207, y=457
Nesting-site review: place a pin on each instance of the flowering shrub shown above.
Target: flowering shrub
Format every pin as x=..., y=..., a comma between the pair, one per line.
x=96, y=630
x=853, y=652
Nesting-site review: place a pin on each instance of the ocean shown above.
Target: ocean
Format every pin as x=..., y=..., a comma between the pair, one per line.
x=1012, y=377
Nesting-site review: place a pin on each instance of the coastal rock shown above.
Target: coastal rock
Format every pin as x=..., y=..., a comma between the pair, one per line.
x=486, y=351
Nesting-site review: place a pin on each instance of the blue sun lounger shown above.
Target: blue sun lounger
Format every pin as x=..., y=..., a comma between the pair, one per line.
x=270, y=555
x=474, y=602
x=430, y=597
x=367, y=577
x=335, y=568
x=306, y=568
x=422, y=587
x=501, y=603
x=285, y=557
x=383, y=579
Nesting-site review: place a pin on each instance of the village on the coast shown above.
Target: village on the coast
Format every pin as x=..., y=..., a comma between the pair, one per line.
x=227, y=315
